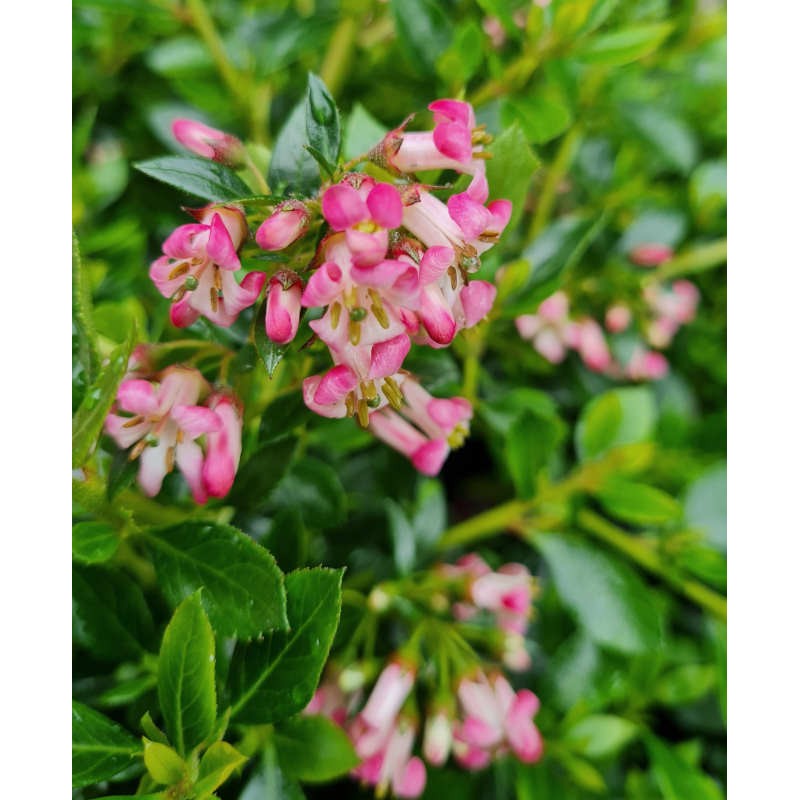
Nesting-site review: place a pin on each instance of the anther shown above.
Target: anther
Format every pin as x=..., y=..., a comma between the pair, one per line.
x=214, y=297
x=354, y=332
x=133, y=421
x=363, y=413
x=350, y=403
x=169, y=458
x=180, y=269
x=453, y=275
x=336, y=312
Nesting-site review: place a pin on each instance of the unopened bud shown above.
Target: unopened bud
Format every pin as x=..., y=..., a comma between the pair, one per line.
x=209, y=142
x=283, y=306
x=287, y=223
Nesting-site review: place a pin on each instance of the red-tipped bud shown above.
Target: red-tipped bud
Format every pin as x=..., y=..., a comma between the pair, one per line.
x=284, y=226
x=650, y=255
x=209, y=142
x=283, y=306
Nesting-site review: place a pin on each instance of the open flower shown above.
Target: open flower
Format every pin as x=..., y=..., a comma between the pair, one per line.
x=161, y=423
x=197, y=269
x=549, y=328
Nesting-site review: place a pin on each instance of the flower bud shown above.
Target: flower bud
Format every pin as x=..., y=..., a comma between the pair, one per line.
x=438, y=739
x=287, y=223
x=224, y=447
x=618, y=317
x=209, y=142
x=283, y=306
x=650, y=255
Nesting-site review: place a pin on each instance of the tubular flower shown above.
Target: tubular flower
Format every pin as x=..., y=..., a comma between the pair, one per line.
x=495, y=719
x=284, y=226
x=549, y=328
x=208, y=142
x=646, y=365
x=438, y=738
x=162, y=427
x=283, y=306
x=672, y=306
x=197, y=269
x=588, y=339
x=223, y=446
x=428, y=428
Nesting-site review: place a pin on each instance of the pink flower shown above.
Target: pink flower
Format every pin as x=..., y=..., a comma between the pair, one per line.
x=388, y=695
x=284, y=226
x=549, y=328
x=328, y=701
x=618, y=318
x=438, y=738
x=197, y=269
x=647, y=365
x=283, y=306
x=508, y=589
x=365, y=215
x=163, y=426
x=515, y=654
x=428, y=428
x=208, y=142
x=223, y=446
x=588, y=339
x=672, y=306
x=494, y=718
x=650, y=255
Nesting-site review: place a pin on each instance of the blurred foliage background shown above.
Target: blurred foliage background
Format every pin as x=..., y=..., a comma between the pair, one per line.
x=614, y=114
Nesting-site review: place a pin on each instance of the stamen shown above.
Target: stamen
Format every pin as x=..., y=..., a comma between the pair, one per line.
x=350, y=403
x=178, y=295
x=368, y=390
x=363, y=413
x=137, y=450
x=354, y=332
x=214, y=297
x=482, y=154
x=218, y=280
x=179, y=436
x=169, y=458
x=453, y=275
x=336, y=312
x=350, y=297
x=180, y=269
x=133, y=421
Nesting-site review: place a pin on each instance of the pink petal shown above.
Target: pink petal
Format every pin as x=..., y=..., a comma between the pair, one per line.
x=194, y=421
x=186, y=241
x=220, y=248
x=189, y=460
x=392, y=429
x=153, y=467
x=430, y=458
x=385, y=205
x=125, y=436
x=477, y=299
x=453, y=111
x=471, y=217
x=555, y=308
x=335, y=384
x=387, y=357
x=379, y=276
x=182, y=314
x=223, y=448
x=501, y=214
x=138, y=397
x=331, y=411
x=238, y=296
x=550, y=345
x=453, y=140
x=478, y=189
x=323, y=285
x=367, y=249
x=283, y=310
x=478, y=733
x=437, y=317
x=342, y=207
x=447, y=412
x=160, y=270
x=411, y=782
x=435, y=262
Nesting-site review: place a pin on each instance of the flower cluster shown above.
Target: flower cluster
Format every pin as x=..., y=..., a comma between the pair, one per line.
x=471, y=710
x=553, y=332
x=165, y=427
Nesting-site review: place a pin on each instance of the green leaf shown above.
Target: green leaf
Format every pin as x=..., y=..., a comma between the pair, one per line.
x=260, y=474
x=93, y=542
x=460, y=61
x=186, y=689
x=601, y=735
x=531, y=441
x=100, y=748
x=362, y=132
x=665, y=134
x=619, y=417
x=292, y=170
x=269, y=781
x=196, y=176
x=707, y=505
x=607, y=598
x=663, y=226
x=624, y=46
x=87, y=422
x=314, y=488
x=274, y=678
x=314, y=749
x=423, y=29
x=511, y=169
x=127, y=692
x=637, y=502
x=165, y=766
x=676, y=779
x=242, y=586
x=323, y=126
x=404, y=543
x=151, y=730
x=543, y=115
x=271, y=354
x=708, y=191
x=110, y=617
x=216, y=766
x=84, y=346
x=685, y=684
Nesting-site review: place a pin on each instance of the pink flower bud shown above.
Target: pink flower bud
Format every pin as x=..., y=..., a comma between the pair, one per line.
x=208, y=142
x=650, y=255
x=618, y=317
x=388, y=695
x=647, y=365
x=283, y=306
x=224, y=447
x=438, y=739
x=284, y=226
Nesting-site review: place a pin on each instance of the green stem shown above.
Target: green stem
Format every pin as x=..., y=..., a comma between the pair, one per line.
x=638, y=551
x=558, y=169
x=203, y=23
x=482, y=525
x=698, y=259
x=337, y=57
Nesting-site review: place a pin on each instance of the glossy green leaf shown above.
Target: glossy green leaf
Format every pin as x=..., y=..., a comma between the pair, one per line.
x=708, y=191
x=314, y=488
x=292, y=169
x=87, y=422
x=314, y=749
x=637, y=502
x=610, y=601
x=110, y=617
x=242, y=586
x=323, y=126
x=270, y=781
x=362, y=132
x=163, y=764
x=404, y=543
x=195, y=176
x=676, y=779
x=216, y=766
x=511, y=169
x=685, y=684
x=707, y=505
x=271, y=354
x=93, y=542
x=100, y=748
x=531, y=441
x=186, y=689
x=275, y=678
x=601, y=735
x=459, y=62
x=542, y=116
x=261, y=473
x=666, y=134
x=423, y=31
x=625, y=45
x=619, y=417
x=660, y=226
x=126, y=692
x=84, y=347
